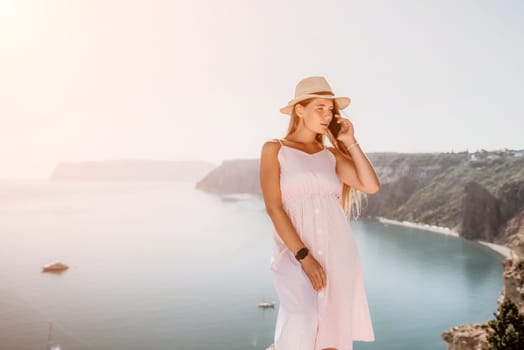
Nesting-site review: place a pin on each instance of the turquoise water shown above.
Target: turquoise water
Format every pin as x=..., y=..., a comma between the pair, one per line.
x=163, y=266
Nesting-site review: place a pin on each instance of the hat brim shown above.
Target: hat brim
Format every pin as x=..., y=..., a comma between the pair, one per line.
x=341, y=102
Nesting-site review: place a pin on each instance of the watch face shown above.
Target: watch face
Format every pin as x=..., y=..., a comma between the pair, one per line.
x=302, y=253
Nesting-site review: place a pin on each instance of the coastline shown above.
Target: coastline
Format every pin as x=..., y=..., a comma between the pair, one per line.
x=500, y=249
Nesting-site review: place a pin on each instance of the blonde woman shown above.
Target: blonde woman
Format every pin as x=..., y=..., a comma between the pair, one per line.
x=309, y=190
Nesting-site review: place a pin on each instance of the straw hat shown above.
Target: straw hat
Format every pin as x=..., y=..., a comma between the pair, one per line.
x=316, y=87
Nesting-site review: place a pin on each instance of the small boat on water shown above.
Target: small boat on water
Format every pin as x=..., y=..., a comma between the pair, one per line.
x=56, y=266
x=266, y=305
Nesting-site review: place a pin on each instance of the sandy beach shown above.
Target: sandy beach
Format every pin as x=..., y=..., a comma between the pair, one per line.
x=502, y=250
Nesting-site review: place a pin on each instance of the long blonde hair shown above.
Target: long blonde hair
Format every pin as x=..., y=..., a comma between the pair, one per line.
x=351, y=199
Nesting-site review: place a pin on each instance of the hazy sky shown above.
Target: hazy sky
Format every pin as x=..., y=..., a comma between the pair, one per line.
x=107, y=79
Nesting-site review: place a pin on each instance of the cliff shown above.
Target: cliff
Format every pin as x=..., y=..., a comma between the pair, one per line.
x=453, y=192
x=233, y=177
x=131, y=170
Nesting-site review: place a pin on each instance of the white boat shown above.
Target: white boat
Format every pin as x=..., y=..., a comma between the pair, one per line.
x=266, y=305
x=56, y=266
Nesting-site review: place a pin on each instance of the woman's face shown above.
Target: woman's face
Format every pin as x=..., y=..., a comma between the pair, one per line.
x=317, y=114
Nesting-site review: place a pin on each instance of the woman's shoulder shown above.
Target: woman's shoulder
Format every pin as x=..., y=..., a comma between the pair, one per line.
x=271, y=147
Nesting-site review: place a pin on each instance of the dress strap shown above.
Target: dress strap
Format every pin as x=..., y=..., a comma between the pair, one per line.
x=279, y=141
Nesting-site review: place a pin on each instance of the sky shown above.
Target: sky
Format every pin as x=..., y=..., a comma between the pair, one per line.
x=205, y=79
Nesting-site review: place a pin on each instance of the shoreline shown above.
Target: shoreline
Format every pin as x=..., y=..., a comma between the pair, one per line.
x=500, y=249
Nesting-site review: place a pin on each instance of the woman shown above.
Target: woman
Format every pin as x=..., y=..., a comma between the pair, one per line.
x=308, y=190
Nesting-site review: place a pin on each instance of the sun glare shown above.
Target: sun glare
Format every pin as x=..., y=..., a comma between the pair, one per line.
x=7, y=8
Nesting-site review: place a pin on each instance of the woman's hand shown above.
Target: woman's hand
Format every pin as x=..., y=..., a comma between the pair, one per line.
x=314, y=271
x=347, y=132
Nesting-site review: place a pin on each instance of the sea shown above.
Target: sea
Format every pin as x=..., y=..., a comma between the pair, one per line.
x=162, y=265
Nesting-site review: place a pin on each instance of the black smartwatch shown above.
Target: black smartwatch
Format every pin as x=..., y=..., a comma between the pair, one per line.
x=302, y=253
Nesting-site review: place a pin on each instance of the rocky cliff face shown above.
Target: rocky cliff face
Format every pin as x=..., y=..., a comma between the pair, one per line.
x=480, y=213
x=511, y=198
x=467, y=337
x=514, y=267
x=486, y=216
